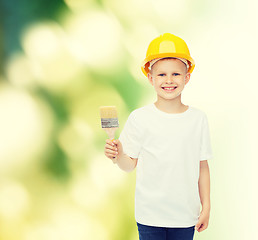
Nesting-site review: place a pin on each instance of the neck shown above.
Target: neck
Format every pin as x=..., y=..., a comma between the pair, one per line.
x=171, y=106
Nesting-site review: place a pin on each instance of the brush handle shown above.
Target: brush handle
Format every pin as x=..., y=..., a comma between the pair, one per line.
x=111, y=134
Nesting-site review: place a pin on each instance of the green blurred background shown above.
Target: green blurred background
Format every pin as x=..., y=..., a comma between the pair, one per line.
x=61, y=60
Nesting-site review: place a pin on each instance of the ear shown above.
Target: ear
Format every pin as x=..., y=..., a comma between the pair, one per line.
x=150, y=78
x=187, y=77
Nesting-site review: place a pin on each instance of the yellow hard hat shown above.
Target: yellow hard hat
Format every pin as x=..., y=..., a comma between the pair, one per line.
x=167, y=45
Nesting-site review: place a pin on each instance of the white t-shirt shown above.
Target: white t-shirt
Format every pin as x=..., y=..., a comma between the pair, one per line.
x=169, y=148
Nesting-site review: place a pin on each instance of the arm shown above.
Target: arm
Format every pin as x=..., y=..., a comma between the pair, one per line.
x=126, y=163
x=204, y=185
x=204, y=192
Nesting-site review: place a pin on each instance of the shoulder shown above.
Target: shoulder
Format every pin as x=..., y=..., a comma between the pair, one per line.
x=140, y=115
x=141, y=111
x=198, y=112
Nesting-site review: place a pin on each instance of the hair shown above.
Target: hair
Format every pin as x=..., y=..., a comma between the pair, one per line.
x=151, y=70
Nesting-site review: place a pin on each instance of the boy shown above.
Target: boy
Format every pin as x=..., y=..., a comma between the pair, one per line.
x=169, y=143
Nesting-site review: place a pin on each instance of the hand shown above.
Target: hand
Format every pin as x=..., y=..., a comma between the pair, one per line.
x=113, y=149
x=203, y=221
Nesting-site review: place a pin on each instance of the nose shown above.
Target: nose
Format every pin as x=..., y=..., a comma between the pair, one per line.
x=169, y=79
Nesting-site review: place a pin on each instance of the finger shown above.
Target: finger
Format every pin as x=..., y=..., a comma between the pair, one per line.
x=197, y=226
x=203, y=227
x=110, y=151
x=111, y=154
x=116, y=142
x=200, y=228
x=110, y=143
x=112, y=157
x=107, y=146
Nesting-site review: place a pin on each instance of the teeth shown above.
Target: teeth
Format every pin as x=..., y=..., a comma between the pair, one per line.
x=170, y=88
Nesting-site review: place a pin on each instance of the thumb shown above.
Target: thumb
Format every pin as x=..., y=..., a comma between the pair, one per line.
x=119, y=146
x=197, y=226
x=117, y=142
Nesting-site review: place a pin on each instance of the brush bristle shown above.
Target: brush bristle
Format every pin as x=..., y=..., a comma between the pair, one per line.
x=108, y=112
x=109, y=117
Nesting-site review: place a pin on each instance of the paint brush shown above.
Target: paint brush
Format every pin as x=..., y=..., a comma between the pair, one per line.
x=109, y=122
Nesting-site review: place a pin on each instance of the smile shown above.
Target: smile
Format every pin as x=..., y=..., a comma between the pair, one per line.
x=169, y=89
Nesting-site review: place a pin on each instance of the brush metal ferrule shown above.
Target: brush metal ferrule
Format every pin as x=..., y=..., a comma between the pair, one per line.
x=109, y=122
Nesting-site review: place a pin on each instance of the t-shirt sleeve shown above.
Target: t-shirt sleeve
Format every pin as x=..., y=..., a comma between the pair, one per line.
x=206, y=149
x=131, y=136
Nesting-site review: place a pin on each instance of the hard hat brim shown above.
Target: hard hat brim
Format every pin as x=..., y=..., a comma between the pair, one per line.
x=145, y=65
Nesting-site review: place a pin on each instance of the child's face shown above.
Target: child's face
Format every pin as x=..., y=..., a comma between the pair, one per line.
x=168, y=73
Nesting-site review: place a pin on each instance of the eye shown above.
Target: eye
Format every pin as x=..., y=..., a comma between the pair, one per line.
x=161, y=74
x=176, y=74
